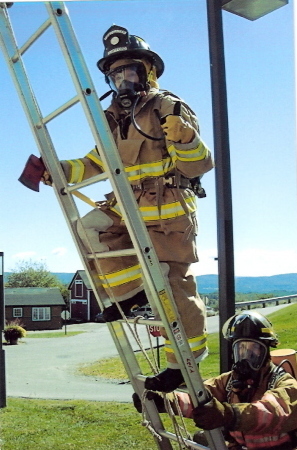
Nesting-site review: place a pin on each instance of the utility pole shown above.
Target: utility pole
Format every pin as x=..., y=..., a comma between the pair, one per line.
x=2, y=323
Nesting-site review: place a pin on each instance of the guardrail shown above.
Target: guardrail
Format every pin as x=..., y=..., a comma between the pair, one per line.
x=264, y=301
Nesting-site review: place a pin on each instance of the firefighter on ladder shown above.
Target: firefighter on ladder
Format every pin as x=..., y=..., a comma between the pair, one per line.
x=157, y=136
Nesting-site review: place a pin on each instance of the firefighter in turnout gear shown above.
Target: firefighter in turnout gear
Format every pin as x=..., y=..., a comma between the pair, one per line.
x=256, y=402
x=157, y=136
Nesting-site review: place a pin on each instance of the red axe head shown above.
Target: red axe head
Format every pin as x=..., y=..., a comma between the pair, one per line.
x=32, y=173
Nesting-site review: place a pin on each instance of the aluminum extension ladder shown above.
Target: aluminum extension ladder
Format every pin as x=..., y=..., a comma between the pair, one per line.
x=156, y=285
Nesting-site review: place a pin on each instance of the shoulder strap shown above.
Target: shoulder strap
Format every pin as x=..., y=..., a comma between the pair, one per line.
x=275, y=375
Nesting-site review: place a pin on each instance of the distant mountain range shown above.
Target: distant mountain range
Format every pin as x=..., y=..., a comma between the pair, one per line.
x=274, y=284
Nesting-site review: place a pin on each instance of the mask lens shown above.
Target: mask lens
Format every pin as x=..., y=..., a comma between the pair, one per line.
x=133, y=73
x=253, y=352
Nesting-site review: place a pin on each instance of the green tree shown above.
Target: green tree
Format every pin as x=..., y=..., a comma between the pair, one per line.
x=34, y=274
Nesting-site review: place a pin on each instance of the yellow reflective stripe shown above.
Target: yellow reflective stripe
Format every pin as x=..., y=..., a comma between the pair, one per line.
x=121, y=276
x=152, y=169
x=263, y=330
x=196, y=154
x=77, y=170
x=195, y=344
x=94, y=156
x=267, y=330
x=168, y=211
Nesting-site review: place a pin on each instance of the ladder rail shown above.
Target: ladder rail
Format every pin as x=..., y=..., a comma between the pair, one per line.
x=133, y=371
x=158, y=285
x=40, y=132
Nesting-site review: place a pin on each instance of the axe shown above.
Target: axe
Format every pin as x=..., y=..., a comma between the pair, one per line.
x=32, y=173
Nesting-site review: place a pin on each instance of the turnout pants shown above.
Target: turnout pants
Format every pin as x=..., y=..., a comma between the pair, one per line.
x=121, y=277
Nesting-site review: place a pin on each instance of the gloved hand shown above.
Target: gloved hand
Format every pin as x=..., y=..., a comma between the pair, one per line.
x=158, y=399
x=46, y=178
x=214, y=414
x=178, y=129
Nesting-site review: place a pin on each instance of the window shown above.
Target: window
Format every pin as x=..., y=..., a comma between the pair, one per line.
x=17, y=312
x=78, y=288
x=41, y=313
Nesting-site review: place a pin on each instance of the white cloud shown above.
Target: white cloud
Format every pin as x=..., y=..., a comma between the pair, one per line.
x=59, y=251
x=23, y=255
x=259, y=262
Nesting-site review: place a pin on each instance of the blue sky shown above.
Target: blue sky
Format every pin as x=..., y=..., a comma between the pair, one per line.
x=261, y=103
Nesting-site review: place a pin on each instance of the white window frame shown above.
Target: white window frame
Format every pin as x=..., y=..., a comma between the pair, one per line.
x=41, y=313
x=76, y=283
x=17, y=312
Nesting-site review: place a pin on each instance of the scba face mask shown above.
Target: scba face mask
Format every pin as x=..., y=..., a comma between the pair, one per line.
x=129, y=81
x=249, y=356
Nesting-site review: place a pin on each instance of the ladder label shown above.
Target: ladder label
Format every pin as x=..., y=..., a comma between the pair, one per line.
x=167, y=306
x=178, y=336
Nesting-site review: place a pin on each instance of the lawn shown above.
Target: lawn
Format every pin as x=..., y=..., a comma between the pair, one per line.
x=83, y=425
x=52, y=334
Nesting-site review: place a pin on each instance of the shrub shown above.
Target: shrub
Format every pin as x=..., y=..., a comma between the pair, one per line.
x=13, y=331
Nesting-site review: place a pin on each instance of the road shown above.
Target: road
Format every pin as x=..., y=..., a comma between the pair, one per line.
x=47, y=368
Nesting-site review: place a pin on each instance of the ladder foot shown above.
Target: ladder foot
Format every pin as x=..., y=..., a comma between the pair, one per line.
x=166, y=381
x=112, y=313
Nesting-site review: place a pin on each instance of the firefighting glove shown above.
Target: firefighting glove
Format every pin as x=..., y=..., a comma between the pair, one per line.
x=177, y=129
x=214, y=414
x=46, y=178
x=158, y=399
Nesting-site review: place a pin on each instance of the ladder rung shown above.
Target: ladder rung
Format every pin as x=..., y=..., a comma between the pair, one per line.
x=112, y=254
x=173, y=437
x=58, y=111
x=31, y=40
x=85, y=183
x=155, y=323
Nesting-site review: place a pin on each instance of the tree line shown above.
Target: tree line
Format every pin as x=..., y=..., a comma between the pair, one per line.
x=35, y=274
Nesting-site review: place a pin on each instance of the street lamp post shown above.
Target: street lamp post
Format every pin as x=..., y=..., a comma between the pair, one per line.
x=2, y=321
x=222, y=175
x=252, y=10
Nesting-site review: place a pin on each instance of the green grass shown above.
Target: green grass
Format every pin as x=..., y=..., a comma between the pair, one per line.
x=83, y=425
x=75, y=425
x=79, y=425
x=54, y=334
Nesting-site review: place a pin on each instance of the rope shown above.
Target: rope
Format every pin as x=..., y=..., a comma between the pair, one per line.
x=170, y=402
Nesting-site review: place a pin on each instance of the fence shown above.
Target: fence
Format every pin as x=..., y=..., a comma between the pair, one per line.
x=264, y=301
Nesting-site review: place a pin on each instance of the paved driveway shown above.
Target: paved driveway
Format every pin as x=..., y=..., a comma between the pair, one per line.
x=47, y=368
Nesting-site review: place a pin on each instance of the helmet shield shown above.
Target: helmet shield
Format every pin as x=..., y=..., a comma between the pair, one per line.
x=249, y=352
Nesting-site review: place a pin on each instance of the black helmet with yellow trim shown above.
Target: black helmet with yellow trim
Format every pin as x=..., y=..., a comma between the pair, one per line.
x=250, y=325
x=119, y=44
